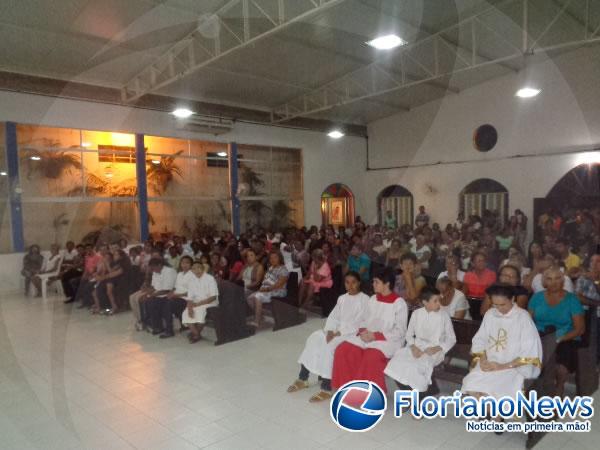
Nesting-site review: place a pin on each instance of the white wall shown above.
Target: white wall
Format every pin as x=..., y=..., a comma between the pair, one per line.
x=325, y=161
x=565, y=117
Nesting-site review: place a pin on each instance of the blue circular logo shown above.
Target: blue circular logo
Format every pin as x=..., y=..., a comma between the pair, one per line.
x=358, y=406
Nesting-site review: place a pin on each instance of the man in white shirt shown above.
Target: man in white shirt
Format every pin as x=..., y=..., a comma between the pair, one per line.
x=69, y=253
x=163, y=282
x=203, y=293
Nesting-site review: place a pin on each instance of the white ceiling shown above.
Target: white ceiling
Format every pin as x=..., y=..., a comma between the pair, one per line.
x=107, y=42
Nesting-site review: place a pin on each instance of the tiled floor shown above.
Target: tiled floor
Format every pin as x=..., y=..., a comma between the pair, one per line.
x=69, y=380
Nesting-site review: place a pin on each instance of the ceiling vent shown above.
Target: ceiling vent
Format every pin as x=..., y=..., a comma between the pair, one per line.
x=206, y=125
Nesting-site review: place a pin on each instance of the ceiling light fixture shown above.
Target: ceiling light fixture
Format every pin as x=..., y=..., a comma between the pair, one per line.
x=182, y=113
x=335, y=134
x=528, y=92
x=386, y=42
x=86, y=144
x=155, y=161
x=3, y=174
x=35, y=158
x=222, y=154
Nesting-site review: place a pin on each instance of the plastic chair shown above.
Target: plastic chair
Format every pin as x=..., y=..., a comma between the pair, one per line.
x=45, y=277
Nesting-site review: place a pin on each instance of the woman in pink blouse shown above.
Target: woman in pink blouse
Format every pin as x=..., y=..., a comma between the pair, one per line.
x=318, y=276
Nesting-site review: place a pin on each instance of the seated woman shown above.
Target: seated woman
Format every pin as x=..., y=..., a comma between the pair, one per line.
x=452, y=300
x=507, y=348
x=429, y=337
x=113, y=280
x=365, y=355
x=511, y=276
x=562, y=310
x=203, y=293
x=343, y=321
x=409, y=283
x=318, y=276
x=392, y=257
x=273, y=285
x=32, y=265
x=252, y=274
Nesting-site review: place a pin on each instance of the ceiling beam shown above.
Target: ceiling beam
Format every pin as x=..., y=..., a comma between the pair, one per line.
x=197, y=50
x=52, y=87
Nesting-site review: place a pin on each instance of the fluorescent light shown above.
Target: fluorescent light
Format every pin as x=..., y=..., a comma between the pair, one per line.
x=387, y=42
x=528, y=92
x=35, y=158
x=182, y=113
x=86, y=144
x=155, y=161
x=335, y=134
x=222, y=154
x=3, y=174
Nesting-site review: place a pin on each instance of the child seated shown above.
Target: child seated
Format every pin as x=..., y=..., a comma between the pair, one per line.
x=429, y=337
x=343, y=321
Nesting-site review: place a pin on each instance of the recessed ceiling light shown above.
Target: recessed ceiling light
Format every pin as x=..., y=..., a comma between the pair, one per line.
x=335, y=134
x=3, y=174
x=387, y=42
x=182, y=113
x=155, y=161
x=222, y=154
x=35, y=158
x=528, y=92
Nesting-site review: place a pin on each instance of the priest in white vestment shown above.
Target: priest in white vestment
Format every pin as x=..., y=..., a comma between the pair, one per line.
x=507, y=348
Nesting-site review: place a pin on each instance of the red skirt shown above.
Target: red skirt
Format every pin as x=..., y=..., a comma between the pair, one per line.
x=354, y=363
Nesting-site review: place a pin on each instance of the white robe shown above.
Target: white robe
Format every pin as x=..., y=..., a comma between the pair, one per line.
x=426, y=329
x=504, y=338
x=387, y=318
x=346, y=318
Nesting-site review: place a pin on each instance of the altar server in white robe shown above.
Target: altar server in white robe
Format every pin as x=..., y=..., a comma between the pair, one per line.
x=507, y=348
x=342, y=323
x=429, y=337
x=364, y=355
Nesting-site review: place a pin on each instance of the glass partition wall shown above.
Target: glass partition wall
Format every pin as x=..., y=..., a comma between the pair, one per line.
x=78, y=183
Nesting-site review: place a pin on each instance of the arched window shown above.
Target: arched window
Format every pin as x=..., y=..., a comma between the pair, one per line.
x=398, y=201
x=484, y=194
x=337, y=205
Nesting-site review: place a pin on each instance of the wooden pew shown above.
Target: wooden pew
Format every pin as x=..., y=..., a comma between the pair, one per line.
x=229, y=317
x=464, y=331
x=286, y=310
x=586, y=376
x=545, y=383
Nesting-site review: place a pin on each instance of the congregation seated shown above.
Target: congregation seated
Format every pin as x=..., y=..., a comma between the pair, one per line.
x=453, y=272
x=365, y=354
x=252, y=273
x=318, y=354
x=162, y=282
x=409, y=282
x=50, y=265
x=509, y=275
x=162, y=309
x=452, y=300
x=534, y=281
x=113, y=280
x=477, y=280
x=318, y=276
x=560, y=309
x=273, y=285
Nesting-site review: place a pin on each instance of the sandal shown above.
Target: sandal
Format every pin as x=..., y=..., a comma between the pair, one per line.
x=321, y=396
x=297, y=386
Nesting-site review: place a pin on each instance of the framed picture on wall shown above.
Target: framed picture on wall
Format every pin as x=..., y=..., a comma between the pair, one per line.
x=337, y=212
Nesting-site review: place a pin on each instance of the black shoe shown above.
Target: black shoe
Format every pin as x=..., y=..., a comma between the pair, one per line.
x=69, y=300
x=166, y=335
x=156, y=332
